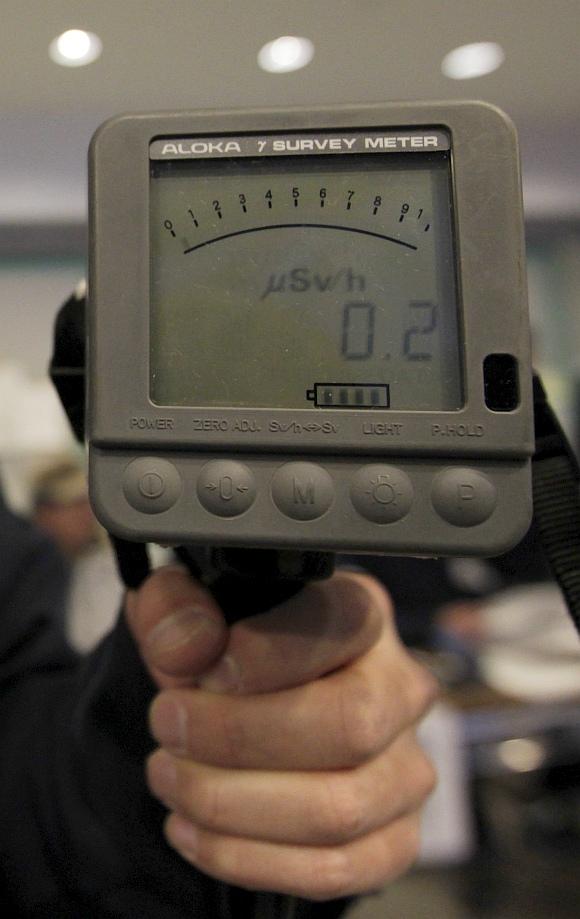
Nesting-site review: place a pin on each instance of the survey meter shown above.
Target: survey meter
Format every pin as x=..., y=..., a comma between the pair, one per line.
x=308, y=330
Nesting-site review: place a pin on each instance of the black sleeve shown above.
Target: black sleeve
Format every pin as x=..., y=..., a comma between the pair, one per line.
x=80, y=836
x=33, y=586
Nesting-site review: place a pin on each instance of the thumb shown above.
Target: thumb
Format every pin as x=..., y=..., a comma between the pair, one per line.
x=177, y=625
x=323, y=628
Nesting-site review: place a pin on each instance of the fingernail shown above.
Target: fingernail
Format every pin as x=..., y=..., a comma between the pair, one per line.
x=224, y=677
x=183, y=835
x=182, y=626
x=168, y=721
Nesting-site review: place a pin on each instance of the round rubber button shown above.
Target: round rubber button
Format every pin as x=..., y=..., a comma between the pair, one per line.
x=382, y=494
x=302, y=491
x=463, y=497
x=151, y=485
x=226, y=488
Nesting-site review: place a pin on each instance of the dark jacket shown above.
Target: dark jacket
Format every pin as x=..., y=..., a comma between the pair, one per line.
x=80, y=836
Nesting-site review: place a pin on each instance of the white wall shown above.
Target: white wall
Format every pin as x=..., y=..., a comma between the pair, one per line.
x=31, y=291
x=32, y=424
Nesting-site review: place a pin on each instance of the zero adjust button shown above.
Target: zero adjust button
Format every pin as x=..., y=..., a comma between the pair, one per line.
x=226, y=488
x=463, y=497
x=151, y=485
x=382, y=493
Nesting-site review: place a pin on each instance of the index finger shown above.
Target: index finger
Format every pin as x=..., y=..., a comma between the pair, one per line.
x=324, y=627
x=337, y=722
x=177, y=625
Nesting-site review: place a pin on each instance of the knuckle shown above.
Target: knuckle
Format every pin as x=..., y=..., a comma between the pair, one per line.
x=343, y=814
x=408, y=845
x=205, y=803
x=426, y=776
x=234, y=736
x=217, y=856
x=354, y=615
x=423, y=688
x=364, y=719
x=411, y=691
x=209, y=855
x=384, y=604
x=377, y=596
x=331, y=876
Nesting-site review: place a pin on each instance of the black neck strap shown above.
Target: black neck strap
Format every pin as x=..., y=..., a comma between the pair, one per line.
x=556, y=478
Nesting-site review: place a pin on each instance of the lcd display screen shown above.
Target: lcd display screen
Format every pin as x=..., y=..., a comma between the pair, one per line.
x=304, y=282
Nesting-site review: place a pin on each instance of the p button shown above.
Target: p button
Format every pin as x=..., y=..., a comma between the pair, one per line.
x=151, y=485
x=463, y=497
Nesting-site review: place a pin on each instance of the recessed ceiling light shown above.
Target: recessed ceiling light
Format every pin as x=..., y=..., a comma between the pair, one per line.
x=75, y=48
x=474, y=60
x=285, y=54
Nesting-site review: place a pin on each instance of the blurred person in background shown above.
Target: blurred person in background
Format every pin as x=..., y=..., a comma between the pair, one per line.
x=61, y=509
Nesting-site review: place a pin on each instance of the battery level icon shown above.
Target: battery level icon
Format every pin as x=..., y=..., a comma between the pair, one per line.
x=350, y=395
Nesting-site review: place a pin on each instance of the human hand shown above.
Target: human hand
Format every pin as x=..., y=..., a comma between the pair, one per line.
x=301, y=772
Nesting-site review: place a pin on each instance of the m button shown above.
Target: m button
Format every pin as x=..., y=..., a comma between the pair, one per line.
x=463, y=497
x=302, y=491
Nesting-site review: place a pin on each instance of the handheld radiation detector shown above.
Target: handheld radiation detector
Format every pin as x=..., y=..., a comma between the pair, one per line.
x=308, y=329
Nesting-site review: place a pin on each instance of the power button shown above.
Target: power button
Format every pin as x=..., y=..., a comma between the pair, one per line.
x=151, y=485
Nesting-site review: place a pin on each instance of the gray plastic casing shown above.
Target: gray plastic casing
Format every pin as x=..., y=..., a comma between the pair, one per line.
x=124, y=425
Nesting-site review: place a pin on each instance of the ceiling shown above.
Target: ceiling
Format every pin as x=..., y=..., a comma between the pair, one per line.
x=192, y=54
